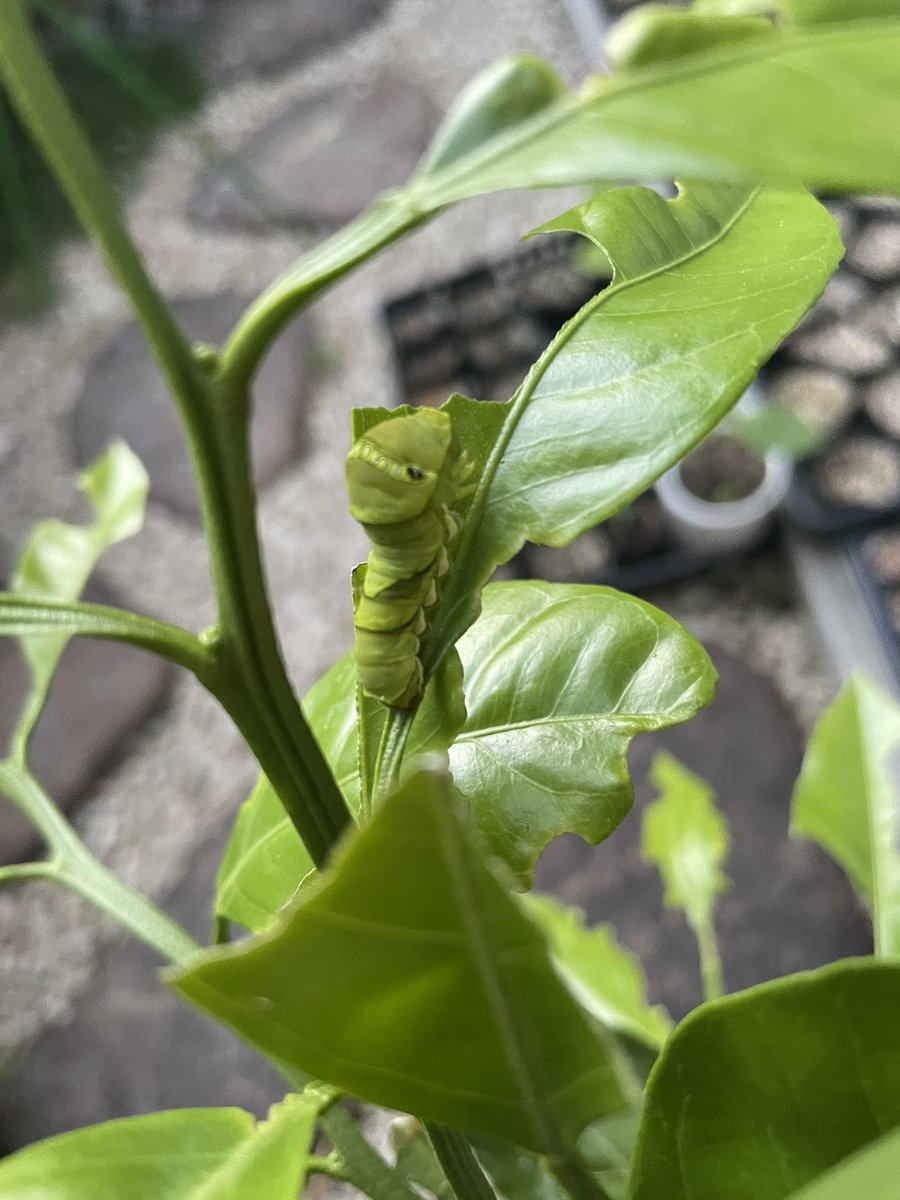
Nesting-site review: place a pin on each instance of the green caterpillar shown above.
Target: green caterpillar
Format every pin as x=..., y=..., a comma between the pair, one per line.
x=402, y=476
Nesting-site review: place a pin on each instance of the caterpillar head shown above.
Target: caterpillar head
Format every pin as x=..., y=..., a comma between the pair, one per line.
x=394, y=469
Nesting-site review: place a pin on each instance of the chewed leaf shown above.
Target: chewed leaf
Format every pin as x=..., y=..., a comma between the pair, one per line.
x=58, y=558
x=408, y=976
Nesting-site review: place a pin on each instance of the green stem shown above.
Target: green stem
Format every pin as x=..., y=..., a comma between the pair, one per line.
x=391, y=215
x=462, y=1168
x=577, y=1180
x=710, y=961
x=358, y=1162
x=72, y=864
x=248, y=676
x=23, y=617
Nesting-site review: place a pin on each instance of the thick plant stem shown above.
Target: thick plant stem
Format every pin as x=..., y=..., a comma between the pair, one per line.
x=248, y=675
x=462, y=1168
x=577, y=1180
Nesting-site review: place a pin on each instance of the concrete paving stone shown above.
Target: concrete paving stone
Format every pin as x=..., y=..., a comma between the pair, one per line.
x=235, y=40
x=789, y=907
x=845, y=348
x=876, y=253
x=102, y=692
x=324, y=159
x=77, y=1074
x=124, y=396
x=883, y=315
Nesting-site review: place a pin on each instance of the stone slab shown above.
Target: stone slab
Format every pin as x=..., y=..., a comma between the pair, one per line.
x=323, y=160
x=124, y=396
x=236, y=40
x=133, y=1046
x=789, y=908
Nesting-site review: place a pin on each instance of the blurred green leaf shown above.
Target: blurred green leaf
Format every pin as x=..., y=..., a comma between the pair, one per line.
x=757, y=1095
x=502, y=97
x=773, y=428
x=846, y=799
x=185, y=1154
x=407, y=976
x=650, y=35
x=607, y=979
x=416, y=1159
x=871, y=1174
x=685, y=837
x=58, y=559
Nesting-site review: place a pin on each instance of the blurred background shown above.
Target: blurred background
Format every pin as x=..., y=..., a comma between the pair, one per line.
x=240, y=133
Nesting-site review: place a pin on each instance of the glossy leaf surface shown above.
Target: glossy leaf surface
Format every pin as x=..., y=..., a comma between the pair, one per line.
x=757, y=1095
x=607, y=979
x=705, y=287
x=184, y=1154
x=871, y=1174
x=846, y=799
x=559, y=678
x=409, y=977
x=265, y=860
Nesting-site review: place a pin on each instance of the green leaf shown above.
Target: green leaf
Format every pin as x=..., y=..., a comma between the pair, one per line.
x=840, y=12
x=265, y=860
x=846, y=799
x=757, y=1095
x=686, y=839
x=649, y=35
x=558, y=679
x=407, y=976
x=503, y=96
x=416, y=1160
x=869, y=1175
x=815, y=106
x=810, y=105
x=59, y=558
x=515, y=1174
x=705, y=288
x=186, y=1154
x=607, y=1147
x=607, y=979
x=773, y=428
x=552, y=709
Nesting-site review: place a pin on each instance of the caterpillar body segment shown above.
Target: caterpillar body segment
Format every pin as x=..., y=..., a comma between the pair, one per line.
x=402, y=476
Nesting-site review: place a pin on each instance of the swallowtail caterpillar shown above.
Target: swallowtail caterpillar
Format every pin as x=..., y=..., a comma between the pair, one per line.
x=402, y=476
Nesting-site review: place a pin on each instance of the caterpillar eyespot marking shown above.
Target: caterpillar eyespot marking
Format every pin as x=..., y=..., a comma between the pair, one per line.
x=402, y=477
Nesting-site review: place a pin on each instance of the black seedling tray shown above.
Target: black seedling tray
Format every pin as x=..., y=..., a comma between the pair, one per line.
x=807, y=506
